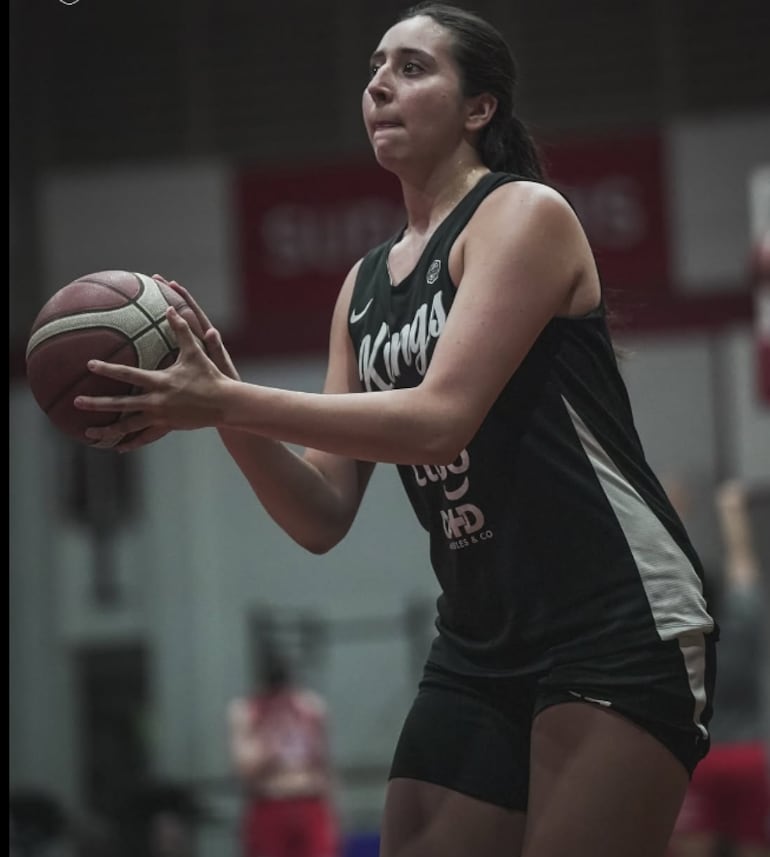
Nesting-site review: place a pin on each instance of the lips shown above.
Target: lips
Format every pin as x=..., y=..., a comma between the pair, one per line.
x=382, y=125
x=383, y=122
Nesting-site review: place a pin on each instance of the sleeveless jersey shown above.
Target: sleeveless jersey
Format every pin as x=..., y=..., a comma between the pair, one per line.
x=550, y=536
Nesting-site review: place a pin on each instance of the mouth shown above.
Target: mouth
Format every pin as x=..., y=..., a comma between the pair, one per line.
x=384, y=126
x=382, y=129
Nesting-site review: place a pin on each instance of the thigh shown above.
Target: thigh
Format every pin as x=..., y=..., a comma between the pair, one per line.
x=423, y=819
x=459, y=779
x=470, y=735
x=600, y=784
x=698, y=825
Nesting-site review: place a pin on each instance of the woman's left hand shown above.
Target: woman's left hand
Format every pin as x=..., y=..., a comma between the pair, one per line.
x=183, y=396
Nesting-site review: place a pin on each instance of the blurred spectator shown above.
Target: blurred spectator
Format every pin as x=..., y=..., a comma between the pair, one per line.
x=727, y=808
x=160, y=820
x=280, y=752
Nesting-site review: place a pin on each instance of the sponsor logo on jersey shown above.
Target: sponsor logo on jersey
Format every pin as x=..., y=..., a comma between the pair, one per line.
x=433, y=272
x=463, y=522
x=383, y=356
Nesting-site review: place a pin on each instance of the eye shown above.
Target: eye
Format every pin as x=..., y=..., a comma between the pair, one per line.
x=412, y=68
x=373, y=69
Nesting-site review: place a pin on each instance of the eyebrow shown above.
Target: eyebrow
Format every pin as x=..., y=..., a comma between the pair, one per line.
x=411, y=52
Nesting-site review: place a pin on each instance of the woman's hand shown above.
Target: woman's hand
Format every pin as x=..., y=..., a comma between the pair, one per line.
x=183, y=396
x=211, y=336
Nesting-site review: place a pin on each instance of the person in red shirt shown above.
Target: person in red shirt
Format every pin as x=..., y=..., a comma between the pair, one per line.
x=280, y=751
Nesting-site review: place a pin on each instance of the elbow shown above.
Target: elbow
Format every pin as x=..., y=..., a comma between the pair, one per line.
x=318, y=532
x=316, y=547
x=319, y=543
x=449, y=424
x=445, y=447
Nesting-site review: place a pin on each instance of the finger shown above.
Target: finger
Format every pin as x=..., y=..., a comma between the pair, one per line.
x=136, y=440
x=161, y=279
x=203, y=319
x=213, y=341
x=219, y=354
x=214, y=345
x=186, y=339
x=120, y=372
x=120, y=430
x=110, y=404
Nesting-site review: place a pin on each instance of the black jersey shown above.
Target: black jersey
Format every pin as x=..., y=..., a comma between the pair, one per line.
x=550, y=536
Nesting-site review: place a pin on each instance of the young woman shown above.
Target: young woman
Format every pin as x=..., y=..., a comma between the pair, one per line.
x=566, y=698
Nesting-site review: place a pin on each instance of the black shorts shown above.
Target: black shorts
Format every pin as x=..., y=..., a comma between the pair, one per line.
x=471, y=733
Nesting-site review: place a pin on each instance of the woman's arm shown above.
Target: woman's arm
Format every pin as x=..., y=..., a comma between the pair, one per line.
x=521, y=260
x=313, y=496
x=248, y=750
x=522, y=257
x=741, y=565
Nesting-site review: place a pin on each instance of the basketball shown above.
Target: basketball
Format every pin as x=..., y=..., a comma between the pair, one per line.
x=115, y=316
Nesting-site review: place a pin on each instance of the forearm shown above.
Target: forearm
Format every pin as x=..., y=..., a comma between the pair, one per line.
x=411, y=426
x=297, y=495
x=741, y=562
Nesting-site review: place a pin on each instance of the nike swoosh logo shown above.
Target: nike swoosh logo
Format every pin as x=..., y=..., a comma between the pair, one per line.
x=357, y=316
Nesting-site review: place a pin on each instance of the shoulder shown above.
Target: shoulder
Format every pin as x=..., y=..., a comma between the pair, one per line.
x=311, y=703
x=526, y=220
x=530, y=203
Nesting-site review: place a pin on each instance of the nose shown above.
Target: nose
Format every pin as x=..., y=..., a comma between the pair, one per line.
x=378, y=87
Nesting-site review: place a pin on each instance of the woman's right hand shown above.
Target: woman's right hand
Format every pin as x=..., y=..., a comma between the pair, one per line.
x=212, y=339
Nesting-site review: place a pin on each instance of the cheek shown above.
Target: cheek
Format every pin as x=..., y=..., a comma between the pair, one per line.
x=440, y=110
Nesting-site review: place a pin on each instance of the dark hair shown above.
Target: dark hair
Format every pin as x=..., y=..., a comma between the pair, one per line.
x=486, y=64
x=274, y=667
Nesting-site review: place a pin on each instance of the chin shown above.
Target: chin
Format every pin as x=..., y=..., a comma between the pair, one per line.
x=387, y=158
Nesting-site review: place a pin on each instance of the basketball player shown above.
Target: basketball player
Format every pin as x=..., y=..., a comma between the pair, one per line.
x=566, y=697
x=279, y=748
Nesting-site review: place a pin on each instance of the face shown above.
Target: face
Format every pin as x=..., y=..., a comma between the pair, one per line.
x=412, y=106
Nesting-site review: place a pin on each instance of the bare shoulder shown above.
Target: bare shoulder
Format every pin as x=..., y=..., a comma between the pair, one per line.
x=528, y=227
x=530, y=205
x=311, y=703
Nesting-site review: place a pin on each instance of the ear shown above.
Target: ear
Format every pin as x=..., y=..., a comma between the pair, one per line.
x=481, y=109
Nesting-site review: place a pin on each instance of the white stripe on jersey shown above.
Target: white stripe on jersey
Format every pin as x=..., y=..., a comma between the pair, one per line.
x=693, y=648
x=670, y=582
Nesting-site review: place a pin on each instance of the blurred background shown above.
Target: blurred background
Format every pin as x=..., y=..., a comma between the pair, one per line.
x=220, y=143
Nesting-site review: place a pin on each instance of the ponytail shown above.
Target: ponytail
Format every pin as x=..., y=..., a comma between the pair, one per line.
x=507, y=146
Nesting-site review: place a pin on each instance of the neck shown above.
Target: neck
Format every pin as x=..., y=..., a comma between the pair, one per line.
x=429, y=198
